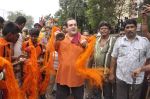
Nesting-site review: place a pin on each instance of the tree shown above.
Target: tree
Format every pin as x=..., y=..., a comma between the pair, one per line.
x=122, y=8
x=89, y=13
x=74, y=9
x=13, y=15
x=148, y=2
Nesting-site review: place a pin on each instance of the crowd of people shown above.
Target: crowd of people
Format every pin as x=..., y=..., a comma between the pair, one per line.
x=64, y=62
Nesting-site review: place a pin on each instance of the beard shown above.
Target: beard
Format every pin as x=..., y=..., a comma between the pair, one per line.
x=131, y=34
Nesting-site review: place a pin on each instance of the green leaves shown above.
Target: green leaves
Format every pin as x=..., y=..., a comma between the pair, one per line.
x=89, y=13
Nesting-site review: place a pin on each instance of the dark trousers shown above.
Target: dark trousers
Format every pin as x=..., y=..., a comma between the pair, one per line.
x=144, y=88
x=1, y=94
x=63, y=92
x=128, y=91
x=42, y=97
x=107, y=91
x=96, y=93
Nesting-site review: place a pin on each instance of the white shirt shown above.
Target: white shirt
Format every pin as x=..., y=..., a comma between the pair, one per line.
x=130, y=55
x=18, y=46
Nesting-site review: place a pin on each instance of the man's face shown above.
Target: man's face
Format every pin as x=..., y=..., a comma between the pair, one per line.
x=86, y=34
x=1, y=25
x=12, y=37
x=38, y=27
x=64, y=29
x=104, y=30
x=21, y=26
x=47, y=30
x=34, y=38
x=130, y=30
x=72, y=27
x=122, y=33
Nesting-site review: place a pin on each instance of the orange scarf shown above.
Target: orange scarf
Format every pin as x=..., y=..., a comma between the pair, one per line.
x=10, y=81
x=49, y=61
x=95, y=76
x=7, y=52
x=31, y=75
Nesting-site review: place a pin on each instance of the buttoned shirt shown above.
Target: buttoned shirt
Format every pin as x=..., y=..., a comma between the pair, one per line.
x=68, y=53
x=130, y=55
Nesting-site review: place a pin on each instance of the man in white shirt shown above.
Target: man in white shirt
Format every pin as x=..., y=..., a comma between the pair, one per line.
x=130, y=52
x=20, y=21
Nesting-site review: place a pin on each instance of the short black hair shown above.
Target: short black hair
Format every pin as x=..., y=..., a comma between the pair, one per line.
x=20, y=20
x=66, y=22
x=2, y=20
x=130, y=21
x=34, y=31
x=37, y=24
x=104, y=23
x=10, y=27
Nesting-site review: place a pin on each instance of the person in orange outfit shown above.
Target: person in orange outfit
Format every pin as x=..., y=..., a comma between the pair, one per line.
x=10, y=36
x=33, y=41
x=69, y=49
x=34, y=33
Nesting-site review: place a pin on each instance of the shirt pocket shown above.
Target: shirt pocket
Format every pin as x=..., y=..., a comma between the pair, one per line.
x=139, y=52
x=123, y=51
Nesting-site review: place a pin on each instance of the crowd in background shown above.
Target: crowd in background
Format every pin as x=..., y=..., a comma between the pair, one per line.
x=124, y=57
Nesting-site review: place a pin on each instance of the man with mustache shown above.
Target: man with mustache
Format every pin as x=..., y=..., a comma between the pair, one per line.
x=69, y=49
x=101, y=58
x=129, y=52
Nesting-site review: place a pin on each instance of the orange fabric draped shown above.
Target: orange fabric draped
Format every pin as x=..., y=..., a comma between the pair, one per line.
x=49, y=61
x=31, y=75
x=29, y=43
x=10, y=81
x=94, y=75
x=7, y=52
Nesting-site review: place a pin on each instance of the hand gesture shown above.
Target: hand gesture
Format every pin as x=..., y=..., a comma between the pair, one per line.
x=136, y=72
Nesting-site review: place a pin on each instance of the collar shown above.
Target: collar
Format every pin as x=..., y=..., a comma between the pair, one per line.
x=76, y=38
x=136, y=38
x=107, y=39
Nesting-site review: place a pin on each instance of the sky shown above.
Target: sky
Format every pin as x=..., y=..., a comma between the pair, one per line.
x=35, y=8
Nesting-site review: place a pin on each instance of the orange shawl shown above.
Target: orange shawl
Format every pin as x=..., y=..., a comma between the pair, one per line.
x=10, y=81
x=28, y=43
x=95, y=76
x=4, y=43
x=49, y=61
x=31, y=75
